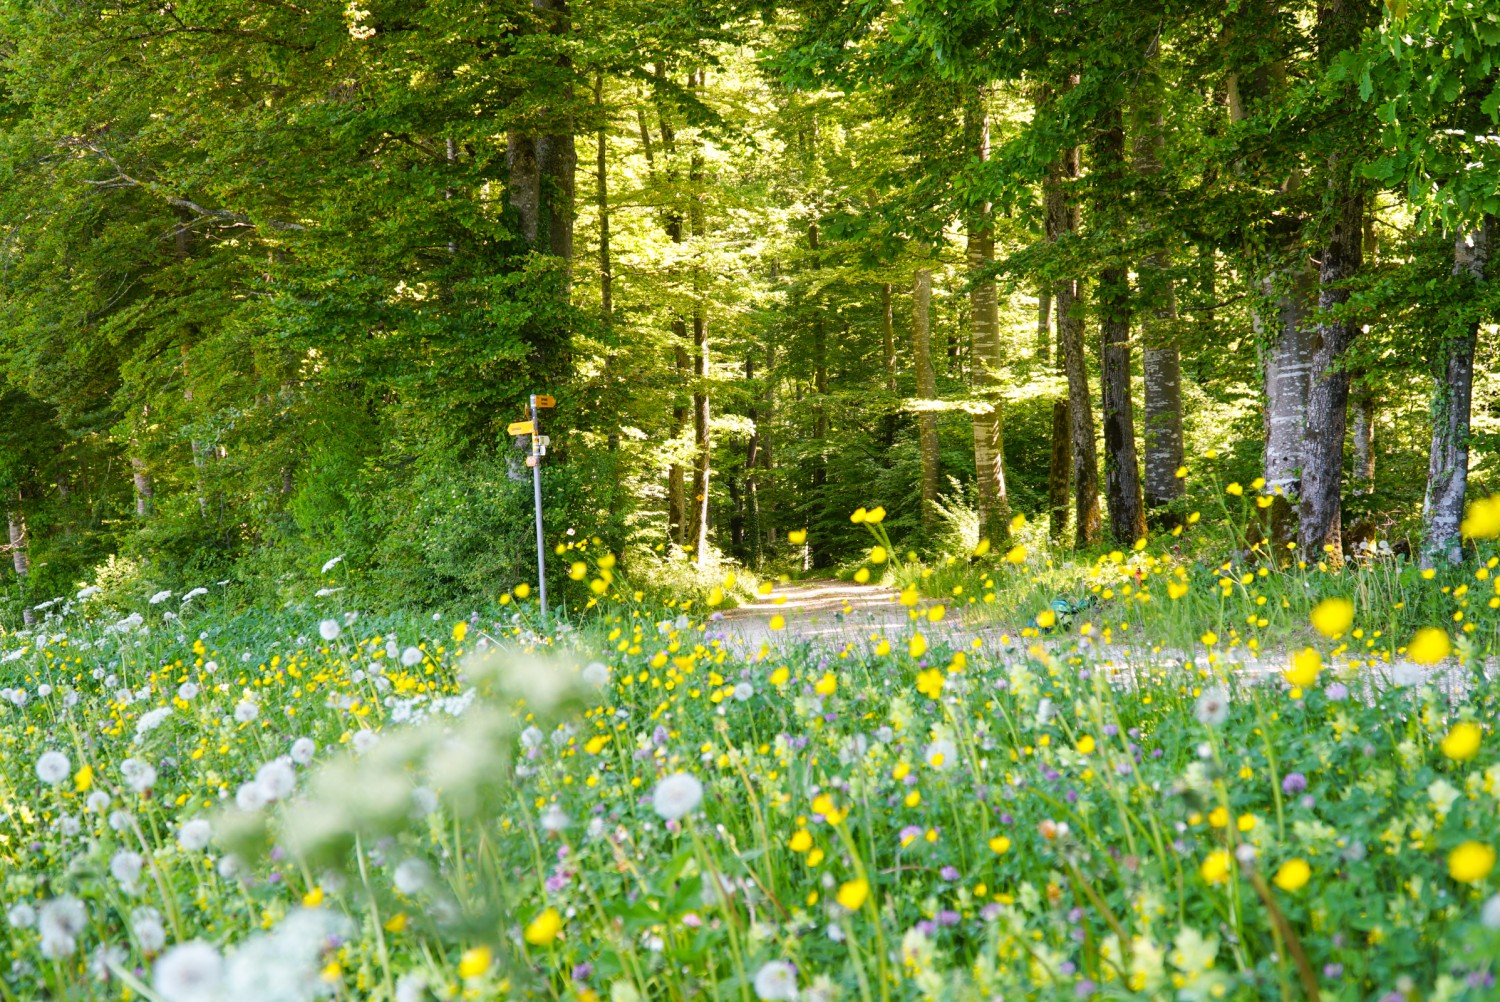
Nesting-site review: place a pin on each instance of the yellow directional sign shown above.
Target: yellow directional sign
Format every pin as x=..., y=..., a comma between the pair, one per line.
x=542, y=400
x=520, y=428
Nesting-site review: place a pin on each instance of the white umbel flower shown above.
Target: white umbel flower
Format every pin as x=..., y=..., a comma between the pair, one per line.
x=331, y=564
x=677, y=795
x=192, y=972
x=53, y=767
x=160, y=597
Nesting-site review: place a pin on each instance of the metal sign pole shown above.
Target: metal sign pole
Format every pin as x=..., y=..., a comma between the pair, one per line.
x=536, y=484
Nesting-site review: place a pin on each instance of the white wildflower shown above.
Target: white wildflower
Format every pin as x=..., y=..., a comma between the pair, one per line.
x=677, y=795
x=53, y=767
x=1212, y=707
x=160, y=597
x=331, y=564
x=329, y=629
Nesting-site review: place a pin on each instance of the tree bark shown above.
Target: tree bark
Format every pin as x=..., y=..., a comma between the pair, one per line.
x=1328, y=396
x=702, y=443
x=888, y=358
x=752, y=461
x=1448, y=457
x=1062, y=223
x=988, y=357
x=1288, y=380
x=606, y=272
x=1363, y=435
x=1122, y=480
x=145, y=488
x=20, y=556
x=676, y=488
x=525, y=185
x=921, y=339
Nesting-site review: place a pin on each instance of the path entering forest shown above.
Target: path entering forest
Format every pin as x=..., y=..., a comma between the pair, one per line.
x=830, y=613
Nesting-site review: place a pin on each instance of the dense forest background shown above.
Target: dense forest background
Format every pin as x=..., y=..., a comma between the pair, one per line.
x=275, y=276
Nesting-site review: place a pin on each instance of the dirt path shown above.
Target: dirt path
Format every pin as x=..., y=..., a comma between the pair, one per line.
x=830, y=612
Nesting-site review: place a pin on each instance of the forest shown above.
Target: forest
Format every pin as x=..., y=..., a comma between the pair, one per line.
x=276, y=279
x=1016, y=482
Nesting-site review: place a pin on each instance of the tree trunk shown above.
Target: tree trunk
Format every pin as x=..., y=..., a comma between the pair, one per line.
x=20, y=556
x=556, y=152
x=145, y=489
x=525, y=185
x=606, y=273
x=1448, y=458
x=752, y=460
x=1288, y=379
x=1363, y=434
x=1062, y=219
x=702, y=444
x=817, y=553
x=1122, y=478
x=676, y=490
x=1044, y=324
x=988, y=357
x=1328, y=394
x=888, y=358
x=921, y=341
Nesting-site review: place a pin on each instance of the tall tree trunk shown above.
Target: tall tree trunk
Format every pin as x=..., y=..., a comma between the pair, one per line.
x=752, y=461
x=1288, y=379
x=1448, y=458
x=820, y=377
x=1363, y=434
x=1122, y=478
x=988, y=357
x=145, y=488
x=676, y=488
x=1044, y=333
x=1328, y=396
x=1161, y=366
x=556, y=152
x=702, y=443
x=606, y=271
x=20, y=556
x=1059, y=218
x=525, y=185
x=888, y=360
x=921, y=343
x=1062, y=220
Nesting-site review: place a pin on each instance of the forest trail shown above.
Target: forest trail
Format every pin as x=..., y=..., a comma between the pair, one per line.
x=824, y=610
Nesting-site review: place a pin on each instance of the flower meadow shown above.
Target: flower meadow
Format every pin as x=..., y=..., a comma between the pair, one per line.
x=203, y=803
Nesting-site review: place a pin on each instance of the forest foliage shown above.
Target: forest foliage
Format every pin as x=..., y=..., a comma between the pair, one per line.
x=275, y=278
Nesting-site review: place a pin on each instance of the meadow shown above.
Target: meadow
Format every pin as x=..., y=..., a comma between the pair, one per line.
x=206, y=802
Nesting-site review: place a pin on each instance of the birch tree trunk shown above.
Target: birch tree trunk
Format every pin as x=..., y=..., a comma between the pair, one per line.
x=20, y=556
x=1328, y=395
x=921, y=338
x=988, y=358
x=1448, y=457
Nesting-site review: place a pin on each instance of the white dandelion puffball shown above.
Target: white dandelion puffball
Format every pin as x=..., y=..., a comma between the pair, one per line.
x=364, y=740
x=303, y=750
x=677, y=795
x=411, y=657
x=245, y=711
x=277, y=778
x=329, y=629
x=776, y=982
x=149, y=931
x=596, y=674
x=411, y=875
x=53, y=767
x=125, y=867
x=21, y=916
x=193, y=836
x=192, y=972
x=555, y=819
x=1212, y=707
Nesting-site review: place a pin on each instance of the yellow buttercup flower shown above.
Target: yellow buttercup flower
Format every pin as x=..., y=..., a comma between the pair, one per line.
x=852, y=894
x=918, y=645
x=859, y=516
x=1306, y=664
x=875, y=515
x=1216, y=867
x=1429, y=646
x=1482, y=521
x=476, y=960
x=862, y=576
x=778, y=622
x=801, y=841
x=1471, y=862
x=1176, y=589
x=878, y=555
x=83, y=779
x=522, y=590
x=460, y=630
x=1046, y=619
x=983, y=547
x=543, y=929
x=1462, y=741
x=930, y=683
x=936, y=614
x=1234, y=489
x=999, y=845
x=1086, y=745
x=1333, y=616
x=797, y=537
x=827, y=685
x=1293, y=875
x=1016, y=555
